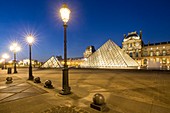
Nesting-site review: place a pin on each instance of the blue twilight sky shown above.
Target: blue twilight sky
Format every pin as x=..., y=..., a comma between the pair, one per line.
x=92, y=22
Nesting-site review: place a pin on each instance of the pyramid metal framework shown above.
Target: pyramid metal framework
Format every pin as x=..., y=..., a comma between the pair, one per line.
x=109, y=55
x=52, y=63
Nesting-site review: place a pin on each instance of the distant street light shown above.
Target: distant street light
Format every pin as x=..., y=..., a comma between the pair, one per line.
x=1, y=62
x=30, y=40
x=65, y=13
x=15, y=48
x=5, y=56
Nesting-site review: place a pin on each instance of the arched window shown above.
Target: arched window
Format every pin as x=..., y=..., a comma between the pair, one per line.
x=151, y=53
x=145, y=61
x=130, y=54
x=164, y=60
x=164, y=52
x=157, y=53
x=136, y=54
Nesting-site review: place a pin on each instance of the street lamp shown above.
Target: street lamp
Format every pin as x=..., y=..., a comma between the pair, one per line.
x=5, y=56
x=65, y=13
x=15, y=48
x=30, y=40
x=1, y=61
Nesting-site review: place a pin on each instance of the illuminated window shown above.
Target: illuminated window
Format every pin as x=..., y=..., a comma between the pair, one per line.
x=157, y=59
x=164, y=52
x=145, y=61
x=151, y=53
x=157, y=53
x=145, y=53
x=163, y=60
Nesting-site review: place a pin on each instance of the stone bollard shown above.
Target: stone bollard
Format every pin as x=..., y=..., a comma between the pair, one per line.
x=37, y=80
x=98, y=102
x=48, y=84
x=8, y=80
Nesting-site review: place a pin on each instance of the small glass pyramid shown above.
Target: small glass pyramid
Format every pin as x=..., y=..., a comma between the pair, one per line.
x=52, y=63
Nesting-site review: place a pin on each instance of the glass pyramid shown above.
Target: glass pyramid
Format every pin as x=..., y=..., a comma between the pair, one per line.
x=109, y=55
x=52, y=63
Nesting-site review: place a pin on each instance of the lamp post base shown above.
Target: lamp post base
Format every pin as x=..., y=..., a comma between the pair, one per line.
x=15, y=72
x=31, y=78
x=65, y=91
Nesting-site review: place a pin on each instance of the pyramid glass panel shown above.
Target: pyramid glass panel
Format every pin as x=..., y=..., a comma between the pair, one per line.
x=52, y=63
x=109, y=55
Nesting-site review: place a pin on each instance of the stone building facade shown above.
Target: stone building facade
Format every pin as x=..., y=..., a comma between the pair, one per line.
x=89, y=50
x=151, y=55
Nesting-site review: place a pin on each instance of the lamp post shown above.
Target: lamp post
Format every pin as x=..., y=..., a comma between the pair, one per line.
x=65, y=13
x=15, y=48
x=1, y=61
x=30, y=40
x=5, y=56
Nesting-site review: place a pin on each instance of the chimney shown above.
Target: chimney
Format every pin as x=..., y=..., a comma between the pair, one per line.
x=148, y=43
x=140, y=34
x=124, y=35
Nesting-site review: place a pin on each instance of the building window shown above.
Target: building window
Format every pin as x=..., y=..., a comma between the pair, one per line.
x=125, y=46
x=163, y=60
x=130, y=54
x=137, y=43
x=136, y=54
x=130, y=45
x=145, y=53
x=151, y=53
x=164, y=52
x=157, y=59
x=157, y=53
x=145, y=61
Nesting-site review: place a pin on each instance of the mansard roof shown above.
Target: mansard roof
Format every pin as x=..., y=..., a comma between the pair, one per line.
x=160, y=43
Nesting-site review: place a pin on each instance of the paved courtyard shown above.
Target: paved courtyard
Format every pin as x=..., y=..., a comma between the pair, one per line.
x=125, y=91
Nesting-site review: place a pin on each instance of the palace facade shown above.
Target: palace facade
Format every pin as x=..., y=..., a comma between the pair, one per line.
x=151, y=55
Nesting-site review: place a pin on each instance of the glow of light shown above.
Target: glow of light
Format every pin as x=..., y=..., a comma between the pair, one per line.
x=2, y=60
x=65, y=13
x=15, y=47
x=138, y=67
x=27, y=32
x=30, y=39
x=5, y=56
x=85, y=59
x=10, y=62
